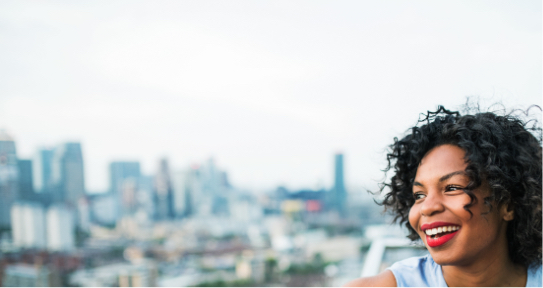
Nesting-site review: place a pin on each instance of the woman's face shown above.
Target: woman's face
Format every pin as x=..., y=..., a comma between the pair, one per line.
x=452, y=235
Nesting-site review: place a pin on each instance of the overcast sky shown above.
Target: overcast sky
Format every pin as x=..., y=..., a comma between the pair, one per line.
x=270, y=89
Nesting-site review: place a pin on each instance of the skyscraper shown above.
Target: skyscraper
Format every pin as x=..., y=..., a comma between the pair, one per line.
x=121, y=170
x=339, y=195
x=163, y=192
x=26, y=191
x=123, y=185
x=42, y=171
x=185, y=185
x=68, y=174
x=8, y=178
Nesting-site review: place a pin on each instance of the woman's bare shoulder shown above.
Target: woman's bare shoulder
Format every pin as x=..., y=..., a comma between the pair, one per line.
x=383, y=279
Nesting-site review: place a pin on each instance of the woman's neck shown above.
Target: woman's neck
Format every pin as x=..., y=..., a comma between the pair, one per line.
x=495, y=270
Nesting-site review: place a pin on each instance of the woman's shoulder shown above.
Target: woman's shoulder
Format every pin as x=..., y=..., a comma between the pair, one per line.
x=383, y=279
x=415, y=271
x=418, y=271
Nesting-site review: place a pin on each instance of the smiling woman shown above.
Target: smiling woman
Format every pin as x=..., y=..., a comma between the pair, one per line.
x=470, y=187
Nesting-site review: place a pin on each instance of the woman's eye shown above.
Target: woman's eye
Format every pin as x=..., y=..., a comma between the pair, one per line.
x=453, y=188
x=418, y=196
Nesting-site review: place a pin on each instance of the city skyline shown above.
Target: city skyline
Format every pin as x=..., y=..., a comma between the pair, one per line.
x=271, y=90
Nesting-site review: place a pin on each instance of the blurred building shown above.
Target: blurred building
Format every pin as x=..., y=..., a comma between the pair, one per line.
x=24, y=275
x=123, y=184
x=338, y=195
x=68, y=174
x=143, y=274
x=42, y=171
x=103, y=208
x=138, y=277
x=215, y=190
x=60, y=228
x=26, y=189
x=163, y=192
x=181, y=193
x=245, y=208
x=145, y=197
x=28, y=225
x=84, y=214
x=8, y=178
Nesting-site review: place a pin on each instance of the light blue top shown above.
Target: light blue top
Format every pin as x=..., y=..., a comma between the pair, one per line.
x=424, y=272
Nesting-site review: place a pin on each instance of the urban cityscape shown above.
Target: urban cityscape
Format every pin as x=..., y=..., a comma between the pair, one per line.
x=180, y=227
x=231, y=143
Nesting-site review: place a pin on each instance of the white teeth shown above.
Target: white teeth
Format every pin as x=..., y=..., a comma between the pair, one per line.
x=438, y=230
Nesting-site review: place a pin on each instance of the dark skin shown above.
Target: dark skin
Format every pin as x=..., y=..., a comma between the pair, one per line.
x=478, y=253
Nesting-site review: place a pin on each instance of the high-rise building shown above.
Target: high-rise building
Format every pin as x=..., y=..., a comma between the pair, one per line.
x=8, y=178
x=184, y=187
x=42, y=171
x=215, y=188
x=163, y=192
x=123, y=181
x=339, y=195
x=121, y=170
x=60, y=228
x=28, y=225
x=68, y=174
x=26, y=189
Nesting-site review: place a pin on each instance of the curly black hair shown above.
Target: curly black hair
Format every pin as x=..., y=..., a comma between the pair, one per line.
x=501, y=150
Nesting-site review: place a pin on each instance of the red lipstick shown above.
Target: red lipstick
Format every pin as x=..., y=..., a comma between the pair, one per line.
x=438, y=241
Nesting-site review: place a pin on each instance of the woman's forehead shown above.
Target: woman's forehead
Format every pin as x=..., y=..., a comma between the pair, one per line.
x=442, y=160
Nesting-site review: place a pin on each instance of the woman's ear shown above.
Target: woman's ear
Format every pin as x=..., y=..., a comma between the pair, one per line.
x=507, y=212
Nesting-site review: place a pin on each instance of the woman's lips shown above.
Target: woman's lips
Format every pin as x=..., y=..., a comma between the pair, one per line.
x=438, y=241
x=438, y=228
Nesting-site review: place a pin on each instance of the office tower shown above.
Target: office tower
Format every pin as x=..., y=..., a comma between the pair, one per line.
x=163, y=192
x=123, y=184
x=28, y=225
x=215, y=188
x=119, y=171
x=145, y=196
x=26, y=189
x=339, y=195
x=183, y=186
x=68, y=174
x=8, y=178
x=60, y=228
x=42, y=171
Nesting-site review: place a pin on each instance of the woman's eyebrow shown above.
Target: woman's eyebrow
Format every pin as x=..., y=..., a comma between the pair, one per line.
x=445, y=177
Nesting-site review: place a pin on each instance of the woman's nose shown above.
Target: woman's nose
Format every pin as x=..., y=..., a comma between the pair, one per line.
x=432, y=204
